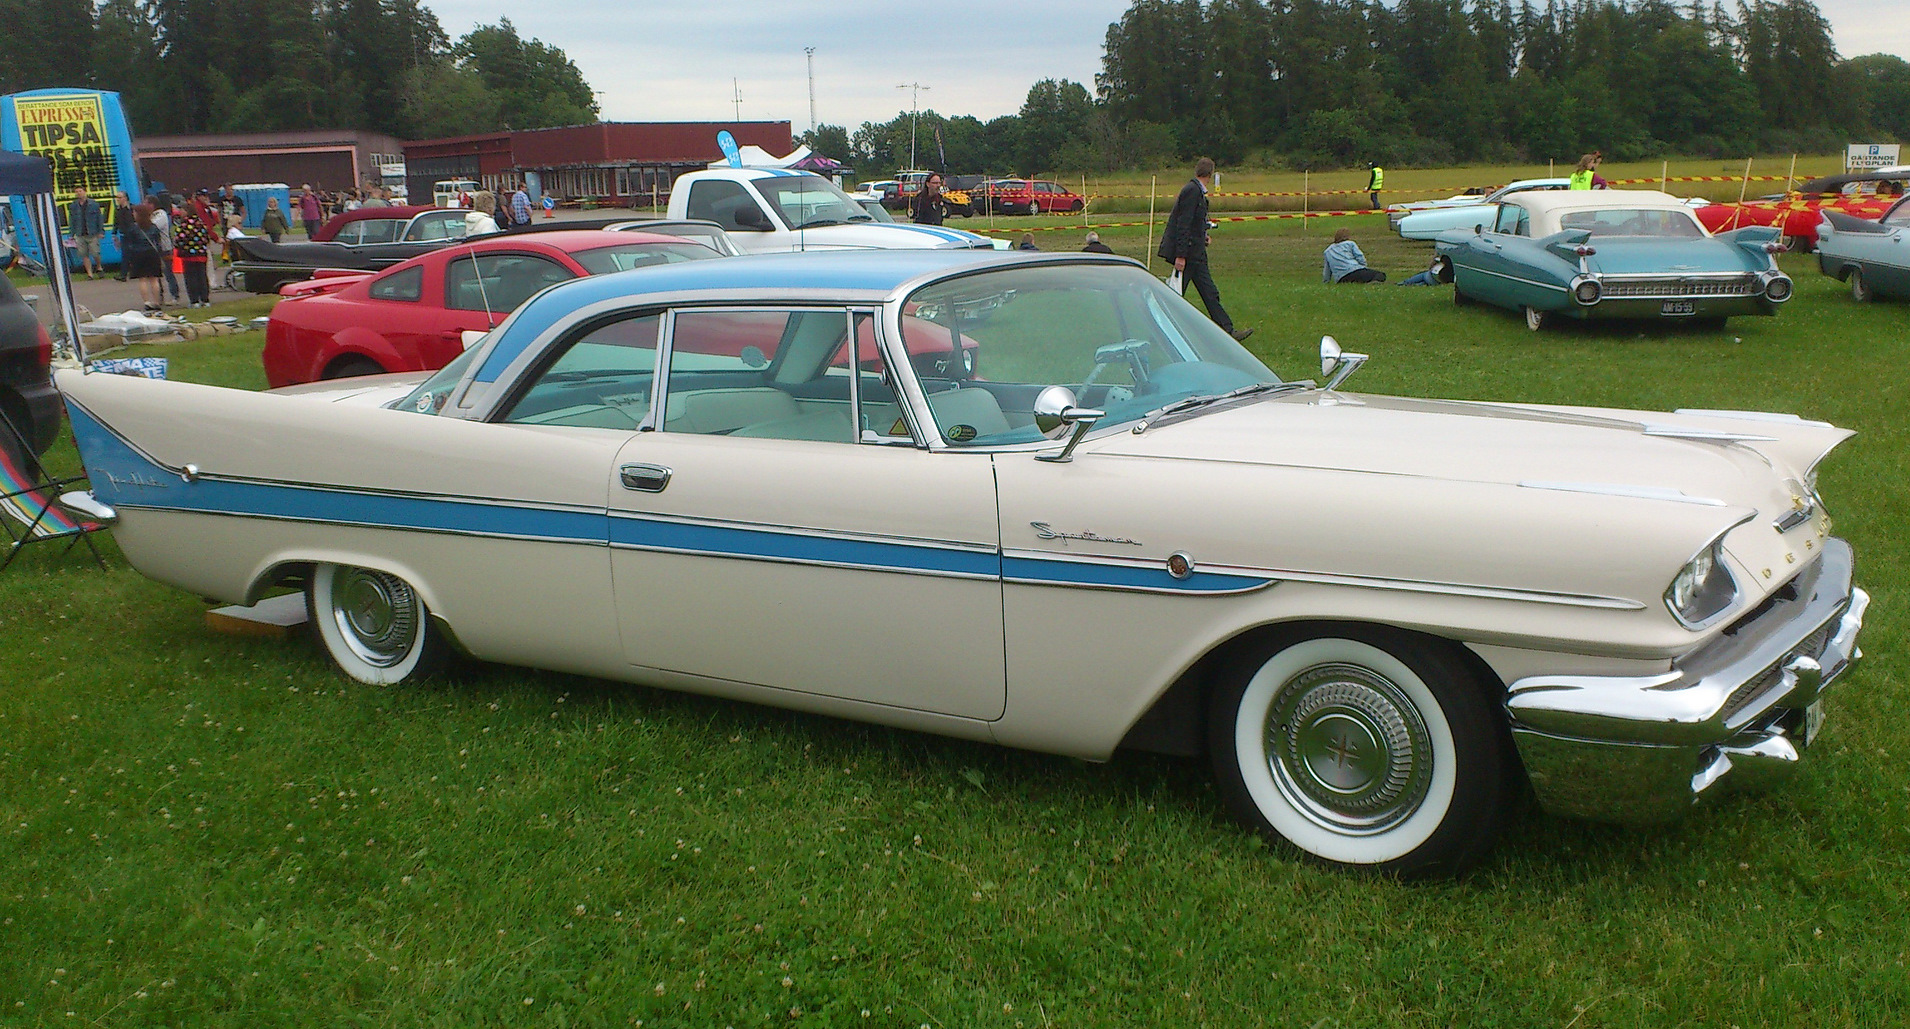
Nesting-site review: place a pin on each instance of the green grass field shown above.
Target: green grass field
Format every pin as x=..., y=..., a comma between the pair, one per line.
x=201, y=830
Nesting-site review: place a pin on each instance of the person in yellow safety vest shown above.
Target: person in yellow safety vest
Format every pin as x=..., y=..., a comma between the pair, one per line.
x=1586, y=172
x=1375, y=182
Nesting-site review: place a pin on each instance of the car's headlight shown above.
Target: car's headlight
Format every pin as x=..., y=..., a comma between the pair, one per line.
x=1703, y=589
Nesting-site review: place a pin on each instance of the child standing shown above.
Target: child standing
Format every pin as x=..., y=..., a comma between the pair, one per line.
x=190, y=241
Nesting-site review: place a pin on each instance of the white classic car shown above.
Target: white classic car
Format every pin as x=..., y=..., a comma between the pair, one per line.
x=1462, y=211
x=1037, y=500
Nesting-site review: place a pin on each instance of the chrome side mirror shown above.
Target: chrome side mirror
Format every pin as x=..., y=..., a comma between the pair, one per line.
x=1337, y=364
x=1055, y=410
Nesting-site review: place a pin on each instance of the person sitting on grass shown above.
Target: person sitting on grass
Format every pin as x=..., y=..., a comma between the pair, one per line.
x=1346, y=263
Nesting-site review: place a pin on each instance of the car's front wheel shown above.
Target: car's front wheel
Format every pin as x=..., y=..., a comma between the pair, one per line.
x=373, y=624
x=1535, y=319
x=1860, y=290
x=1365, y=748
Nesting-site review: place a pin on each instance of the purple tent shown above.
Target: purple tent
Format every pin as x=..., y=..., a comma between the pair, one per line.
x=819, y=164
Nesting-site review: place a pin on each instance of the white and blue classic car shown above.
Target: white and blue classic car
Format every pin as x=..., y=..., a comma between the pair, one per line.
x=1872, y=256
x=1612, y=254
x=1427, y=219
x=1036, y=500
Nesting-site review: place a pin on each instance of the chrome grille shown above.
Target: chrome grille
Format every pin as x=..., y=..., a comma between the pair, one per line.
x=1678, y=288
x=1812, y=645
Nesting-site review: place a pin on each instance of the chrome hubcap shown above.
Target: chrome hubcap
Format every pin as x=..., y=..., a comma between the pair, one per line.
x=377, y=614
x=1348, y=748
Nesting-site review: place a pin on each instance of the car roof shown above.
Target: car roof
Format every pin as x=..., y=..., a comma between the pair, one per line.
x=853, y=276
x=338, y=221
x=1539, y=201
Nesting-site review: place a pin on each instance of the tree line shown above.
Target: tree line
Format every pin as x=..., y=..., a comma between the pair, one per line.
x=185, y=66
x=1330, y=83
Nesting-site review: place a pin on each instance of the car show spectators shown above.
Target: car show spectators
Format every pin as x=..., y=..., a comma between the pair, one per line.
x=1184, y=244
x=520, y=207
x=192, y=241
x=139, y=253
x=1095, y=246
x=311, y=210
x=122, y=217
x=1346, y=263
x=232, y=207
x=273, y=222
x=162, y=221
x=929, y=207
x=86, y=223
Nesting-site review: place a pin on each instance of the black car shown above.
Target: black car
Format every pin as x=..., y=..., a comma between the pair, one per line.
x=27, y=398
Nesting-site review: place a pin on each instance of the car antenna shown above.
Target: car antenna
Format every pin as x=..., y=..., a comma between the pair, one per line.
x=483, y=294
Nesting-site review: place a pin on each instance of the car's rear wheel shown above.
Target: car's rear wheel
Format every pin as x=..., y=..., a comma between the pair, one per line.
x=1860, y=290
x=1366, y=748
x=1460, y=297
x=1535, y=319
x=373, y=624
x=1078, y=206
x=351, y=367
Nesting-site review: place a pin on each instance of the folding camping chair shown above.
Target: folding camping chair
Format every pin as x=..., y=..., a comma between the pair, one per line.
x=28, y=509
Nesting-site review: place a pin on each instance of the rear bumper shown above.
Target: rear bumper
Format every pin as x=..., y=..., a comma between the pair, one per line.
x=1736, y=714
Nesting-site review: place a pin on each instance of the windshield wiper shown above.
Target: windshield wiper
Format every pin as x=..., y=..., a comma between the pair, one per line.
x=1195, y=403
x=818, y=222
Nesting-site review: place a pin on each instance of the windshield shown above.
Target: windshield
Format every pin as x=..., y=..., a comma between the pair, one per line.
x=1620, y=222
x=985, y=345
x=806, y=201
x=431, y=394
x=625, y=256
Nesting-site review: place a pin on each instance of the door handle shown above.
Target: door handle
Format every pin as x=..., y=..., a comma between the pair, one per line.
x=646, y=478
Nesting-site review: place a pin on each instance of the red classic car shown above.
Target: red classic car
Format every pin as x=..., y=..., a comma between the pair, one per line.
x=413, y=316
x=1024, y=196
x=1865, y=194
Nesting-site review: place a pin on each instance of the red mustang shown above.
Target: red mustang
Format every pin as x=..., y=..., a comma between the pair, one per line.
x=1864, y=194
x=413, y=316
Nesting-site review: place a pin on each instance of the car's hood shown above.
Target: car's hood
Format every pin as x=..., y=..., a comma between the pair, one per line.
x=1649, y=455
x=886, y=236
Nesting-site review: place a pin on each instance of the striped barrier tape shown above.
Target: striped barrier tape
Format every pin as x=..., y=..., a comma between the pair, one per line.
x=1445, y=189
x=1010, y=230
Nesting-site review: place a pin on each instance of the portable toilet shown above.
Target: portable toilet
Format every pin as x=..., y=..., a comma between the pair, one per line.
x=256, y=193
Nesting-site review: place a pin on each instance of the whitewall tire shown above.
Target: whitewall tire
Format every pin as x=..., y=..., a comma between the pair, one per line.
x=1366, y=749
x=1860, y=290
x=373, y=624
x=1535, y=319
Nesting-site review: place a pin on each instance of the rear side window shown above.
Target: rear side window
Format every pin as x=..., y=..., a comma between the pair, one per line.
x=498, y=282
x=718, y=200
x=404, y=285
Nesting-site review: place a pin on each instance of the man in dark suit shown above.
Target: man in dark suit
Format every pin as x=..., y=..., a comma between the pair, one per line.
x=1184, y=243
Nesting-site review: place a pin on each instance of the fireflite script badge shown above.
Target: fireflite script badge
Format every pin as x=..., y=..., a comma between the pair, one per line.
x=135, y=479
x=1046, y=532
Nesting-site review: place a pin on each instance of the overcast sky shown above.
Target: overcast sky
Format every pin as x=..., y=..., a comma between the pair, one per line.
x=676, y=61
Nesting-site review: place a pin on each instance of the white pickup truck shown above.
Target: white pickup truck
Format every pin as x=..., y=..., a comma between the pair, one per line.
x=772, y=210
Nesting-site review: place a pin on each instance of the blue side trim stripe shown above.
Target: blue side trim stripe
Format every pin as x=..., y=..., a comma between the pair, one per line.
x=124, y=478
x=1134, y=577
x=726, y=541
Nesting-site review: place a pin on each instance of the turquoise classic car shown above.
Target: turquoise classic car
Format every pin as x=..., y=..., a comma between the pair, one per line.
x=1612, y=254
x=1874, y=257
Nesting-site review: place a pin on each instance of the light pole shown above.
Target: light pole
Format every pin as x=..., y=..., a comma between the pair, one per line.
x=810, y=53
x=915, y=114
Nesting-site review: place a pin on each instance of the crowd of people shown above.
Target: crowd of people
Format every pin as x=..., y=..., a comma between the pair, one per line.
x=165, y=239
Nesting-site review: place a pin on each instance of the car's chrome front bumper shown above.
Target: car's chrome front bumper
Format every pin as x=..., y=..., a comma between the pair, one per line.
x=1736, y=714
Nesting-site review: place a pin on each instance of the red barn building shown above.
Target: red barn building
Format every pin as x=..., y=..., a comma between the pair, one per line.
x=618, y=163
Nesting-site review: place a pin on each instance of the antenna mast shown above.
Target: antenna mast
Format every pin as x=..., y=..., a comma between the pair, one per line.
x=915, y=113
